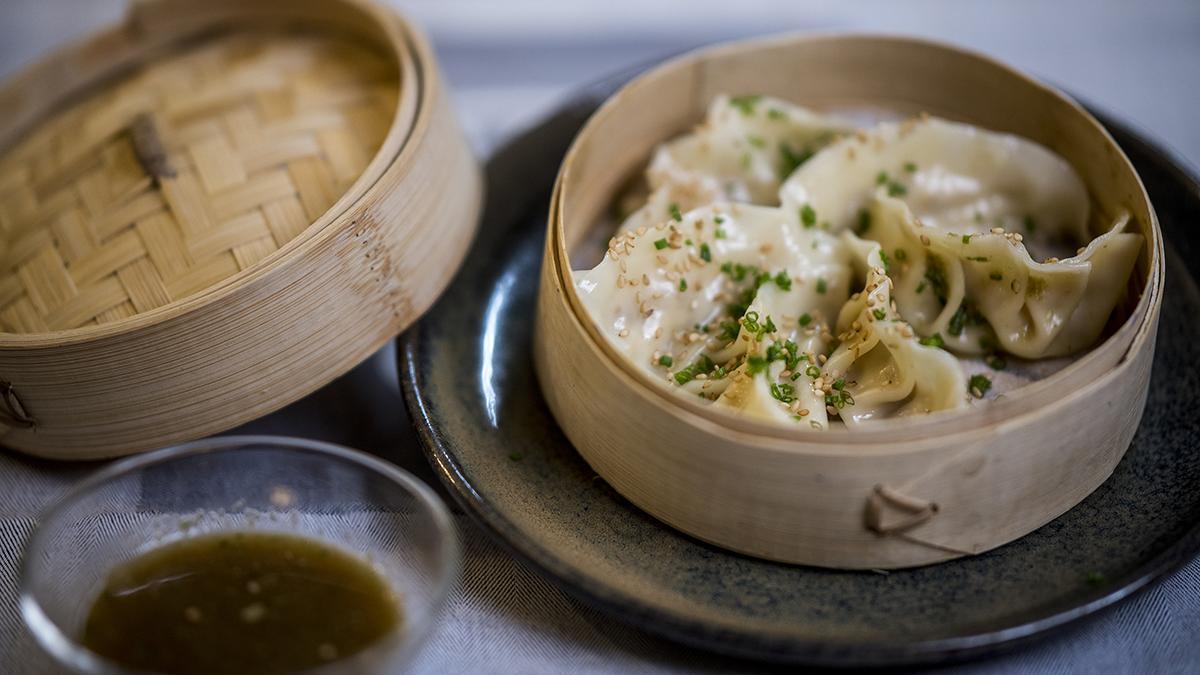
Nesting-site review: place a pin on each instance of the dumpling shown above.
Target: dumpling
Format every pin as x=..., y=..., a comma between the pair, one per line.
x=675, y=297
x=745, y=148
x=880, y=368
x=954, y=177
x=982, y=292
x=780, y=336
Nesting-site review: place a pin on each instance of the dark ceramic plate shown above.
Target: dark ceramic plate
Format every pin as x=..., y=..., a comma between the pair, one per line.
x=470, y=388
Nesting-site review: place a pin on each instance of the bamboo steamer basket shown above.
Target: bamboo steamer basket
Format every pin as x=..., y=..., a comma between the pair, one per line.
x=214, y=209
x=895, y=494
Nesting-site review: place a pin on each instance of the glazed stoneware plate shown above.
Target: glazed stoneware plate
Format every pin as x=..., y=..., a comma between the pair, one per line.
x=471, y=389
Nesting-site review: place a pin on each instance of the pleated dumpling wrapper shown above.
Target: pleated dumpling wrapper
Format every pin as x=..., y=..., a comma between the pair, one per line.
x=742, y=152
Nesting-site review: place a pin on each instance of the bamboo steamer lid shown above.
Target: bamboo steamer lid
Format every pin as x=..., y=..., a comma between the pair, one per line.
x=897, y=493
x=214, y=209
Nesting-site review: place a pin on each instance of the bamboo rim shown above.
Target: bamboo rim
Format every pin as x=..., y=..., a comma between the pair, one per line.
x=409, y=119
x=1130, y=337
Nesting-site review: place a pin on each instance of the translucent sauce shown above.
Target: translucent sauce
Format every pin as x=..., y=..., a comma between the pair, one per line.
x=240, y=602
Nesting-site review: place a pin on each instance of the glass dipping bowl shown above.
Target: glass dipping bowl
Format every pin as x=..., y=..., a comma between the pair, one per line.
x=346, y=498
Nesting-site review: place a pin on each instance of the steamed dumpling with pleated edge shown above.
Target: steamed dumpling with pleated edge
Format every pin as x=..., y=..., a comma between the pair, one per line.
x=742, y=152
x=880, y=368
x=775, y=356
x=955, y=177
x=670, y=296
x=982, y=292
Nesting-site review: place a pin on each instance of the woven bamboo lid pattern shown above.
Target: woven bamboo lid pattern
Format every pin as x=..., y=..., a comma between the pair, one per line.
x=192, y=169
x=212, y=209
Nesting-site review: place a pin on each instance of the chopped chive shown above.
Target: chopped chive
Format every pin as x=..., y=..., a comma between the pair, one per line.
x=784, y=393
x=718, y=219
x=996, y=276
x=901, y=254
x=808, y=216
x=746, y=103
x=674, y=210
x=665, y=360
x=881, y=178
x=813, y=372
x=934, y=340
x=887, y=263
x=805, y=319
x=705, y=253
x=864, y=222
x=783, y=281
x=921, y=286
x=776, y=114
x=910, y=167
x=840, y=384
x=966, y=238
x=756, y=141
x=720, y=233
x=977, y=258
x=996, y=362
x=896, y=189
x=756, y=365
x=979, y=385
x=879, y=314
x=660, y=244
x=682, y=285
x=822, y=286
x=790, y=160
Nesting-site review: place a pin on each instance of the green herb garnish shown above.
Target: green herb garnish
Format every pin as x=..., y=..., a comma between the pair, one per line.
x=784, y=393
x=879, y=314
x=705, y=253
x=746, y=103
x=805, y=319
x=665, y=360
x=979, y=385
x=934, y=340
x=808, y=216
x=821, y=285
x=790, y=160
x=864, y=222
x=674, y=210
x=660, y=244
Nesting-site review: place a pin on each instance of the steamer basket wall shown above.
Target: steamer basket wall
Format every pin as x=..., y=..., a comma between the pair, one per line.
x=902, y=492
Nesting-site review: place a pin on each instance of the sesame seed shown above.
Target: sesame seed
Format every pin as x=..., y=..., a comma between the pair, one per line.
x=925, y=240
x=662, y=259
x=620, y=281
x=831, y=410
x=803, y=412
x=624, y=333
x=646, y=279
x=822, y=359
x=997, y=230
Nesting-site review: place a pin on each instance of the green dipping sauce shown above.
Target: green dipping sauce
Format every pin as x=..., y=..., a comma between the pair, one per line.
x=240, y=602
